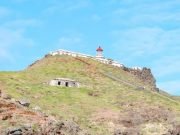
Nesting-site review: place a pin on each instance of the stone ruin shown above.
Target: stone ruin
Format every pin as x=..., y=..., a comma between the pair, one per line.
x=64, y=82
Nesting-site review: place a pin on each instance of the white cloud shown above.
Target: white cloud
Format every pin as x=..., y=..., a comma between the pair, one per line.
x=4, y=12
x=96, y=18
x=10, y=38
x=72, y=41
x=66, y=41
x=5, y=56
x=146, y=41
x=12, y=34
x=77, y=5
x=132, y=13
x=10, y=42
x=153, y=47
x=22, y=23
x=167, y=66
x=66, y=6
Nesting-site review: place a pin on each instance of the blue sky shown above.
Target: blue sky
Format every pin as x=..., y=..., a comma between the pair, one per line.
x=133, y=32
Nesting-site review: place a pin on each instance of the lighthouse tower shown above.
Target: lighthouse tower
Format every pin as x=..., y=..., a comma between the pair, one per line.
x=99, y=51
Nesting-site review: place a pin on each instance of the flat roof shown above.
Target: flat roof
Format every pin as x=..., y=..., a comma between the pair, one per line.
x=65, y=79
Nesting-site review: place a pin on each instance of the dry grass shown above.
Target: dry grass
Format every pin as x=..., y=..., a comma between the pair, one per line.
x=96, y=93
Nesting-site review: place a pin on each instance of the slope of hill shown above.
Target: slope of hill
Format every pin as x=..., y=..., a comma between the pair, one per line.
x=107, y=102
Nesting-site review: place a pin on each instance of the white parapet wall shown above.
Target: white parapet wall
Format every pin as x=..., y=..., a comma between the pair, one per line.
x=136, y=68
x=102, y=60
x=117, y=64
x=75, y=54
x=70, y=53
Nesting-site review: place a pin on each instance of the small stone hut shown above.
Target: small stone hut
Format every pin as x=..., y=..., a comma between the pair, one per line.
x=65, y=82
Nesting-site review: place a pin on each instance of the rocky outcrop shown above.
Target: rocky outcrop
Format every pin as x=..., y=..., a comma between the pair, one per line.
x=51, y=128
x=132, y=131
x=15, y=113
x=63, y=128
x=31, y=65
x=145, y=75
x=138, y=118
x=174, y=131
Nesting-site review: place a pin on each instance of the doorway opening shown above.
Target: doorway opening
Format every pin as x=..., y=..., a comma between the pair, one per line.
x=59, y=83
x=67, y=84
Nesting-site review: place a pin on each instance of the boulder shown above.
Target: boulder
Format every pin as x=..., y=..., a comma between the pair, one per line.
x=63, y=128
x=37, y=108
x=14, y=131
x=23, y=130
x=174, y=131
x=129, y=131
x=24, y=103
x=6, y=96
x=7, y=116
x=118, y=132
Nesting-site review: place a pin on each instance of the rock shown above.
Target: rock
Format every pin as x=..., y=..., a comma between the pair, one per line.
x=37, y=108
x=94, y=93
x=63, y=128
x=13, y=100
x=6, y=117
x=51, y=128
x=5, y=96
x=174, y=131
x=24, y=103
x=157, y=89
x=14, y=131
x=24, y=130
x=140, y=88
x=129, y=131
x=117, y=132
x=17, y=133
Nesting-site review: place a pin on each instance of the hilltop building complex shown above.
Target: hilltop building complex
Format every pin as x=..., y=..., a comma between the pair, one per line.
x=144, y=74
x=99, y=56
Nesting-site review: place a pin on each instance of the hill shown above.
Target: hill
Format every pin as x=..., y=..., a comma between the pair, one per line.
x=110, y=100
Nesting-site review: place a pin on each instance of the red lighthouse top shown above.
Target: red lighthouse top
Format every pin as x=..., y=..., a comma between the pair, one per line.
x=99, y=49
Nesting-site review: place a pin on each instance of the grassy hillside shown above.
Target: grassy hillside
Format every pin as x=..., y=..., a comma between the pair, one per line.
x=101, y=105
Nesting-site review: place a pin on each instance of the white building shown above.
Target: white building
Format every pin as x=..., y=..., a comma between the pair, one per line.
x=99, y=56
x=136, y=68
x=99, y=51
x=70, y=53
x=117, y=64
x=64, y=82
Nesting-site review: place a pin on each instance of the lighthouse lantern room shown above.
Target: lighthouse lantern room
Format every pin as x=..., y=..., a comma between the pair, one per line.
x=99, y=51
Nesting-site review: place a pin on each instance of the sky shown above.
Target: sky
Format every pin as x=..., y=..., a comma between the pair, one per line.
x=143, y=33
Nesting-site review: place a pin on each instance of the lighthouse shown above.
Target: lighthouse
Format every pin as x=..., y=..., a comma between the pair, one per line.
x=99, y=51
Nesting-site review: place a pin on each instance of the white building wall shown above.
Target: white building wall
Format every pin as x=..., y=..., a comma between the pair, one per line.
x=63, y=82
x=137, y=68
x=53, y=83
x=74, y=54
